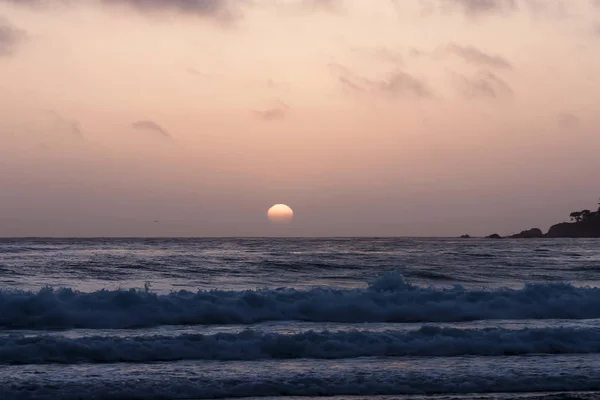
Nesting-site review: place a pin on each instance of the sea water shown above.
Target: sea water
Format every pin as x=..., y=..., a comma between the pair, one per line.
x=353, y=318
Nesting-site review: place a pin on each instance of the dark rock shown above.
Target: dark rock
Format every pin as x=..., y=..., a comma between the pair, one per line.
x=465, y=237
x=582, y=229
x=528, y=234
x=494, y=236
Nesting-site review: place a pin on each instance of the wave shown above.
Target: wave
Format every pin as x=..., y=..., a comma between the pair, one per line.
x=389, y=298
x=254, y=345
x=271, y=383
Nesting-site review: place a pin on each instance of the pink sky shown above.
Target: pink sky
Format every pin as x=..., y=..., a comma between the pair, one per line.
x=403, y=118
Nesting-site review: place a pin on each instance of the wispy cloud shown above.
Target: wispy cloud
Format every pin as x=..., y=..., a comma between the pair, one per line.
x=472, y=8
x=41, y=3
x=401, y=83
x=65, y=125
x=549, y=8
x=302, y=7
x=10, y=37
x=200, y=74
x=484, y=84
x=326, y=5
x=473, y=55
x=568, y=121
x=273, y=114
x=396, y=84
x=476, y=7
x=151, y=126
x=381, y=54
x=22, y=2
x=224, y=10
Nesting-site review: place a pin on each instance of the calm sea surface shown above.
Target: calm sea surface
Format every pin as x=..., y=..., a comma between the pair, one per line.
x=351, y=318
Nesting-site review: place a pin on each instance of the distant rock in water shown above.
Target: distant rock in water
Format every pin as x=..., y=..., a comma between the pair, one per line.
x=528, y=234
x=494, y=236
x=465, y=237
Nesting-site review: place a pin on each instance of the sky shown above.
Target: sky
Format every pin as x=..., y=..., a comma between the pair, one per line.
x=367, y=117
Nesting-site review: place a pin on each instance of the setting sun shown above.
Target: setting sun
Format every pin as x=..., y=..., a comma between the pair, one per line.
x=280, y=214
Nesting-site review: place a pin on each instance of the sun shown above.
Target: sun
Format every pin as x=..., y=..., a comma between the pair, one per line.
x=280, y=214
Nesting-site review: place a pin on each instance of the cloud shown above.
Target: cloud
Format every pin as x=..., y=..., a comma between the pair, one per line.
x=152, y=126
x=22, y=2
x=471, y=8
x=548, y=8
x=302, y=7
x=568, y=121
x=40, y=3
x=223, y=10
x=218, y=9
x=380, y=54
x=485, y=6
x=396, y=84
x=10, y=37
x=401, y=83
x=273, y=114
x=326, y=5
x=200, y=74
x=473, y=55
x=66, y=125
x=484, y=84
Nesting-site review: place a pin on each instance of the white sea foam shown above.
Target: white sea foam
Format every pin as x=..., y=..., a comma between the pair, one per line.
x=387, y=299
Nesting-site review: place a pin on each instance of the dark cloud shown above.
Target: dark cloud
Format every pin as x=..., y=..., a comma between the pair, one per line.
x=200, y=74
x=193, y=71
x=151, y=126
x=22, y=2
x=469, y=7
x=568, y=121
x=484, y=6
x=326, y=5
x=219, y=9
x=64, y=125
x=273, y=114
x=484, y=84
x=10, y=37
x=401, y=83
x=223, y=10
x=40, y=3
x=395, y=84
x=275, y=86
x=351, y=84
x=473, y=55
x=302, y=7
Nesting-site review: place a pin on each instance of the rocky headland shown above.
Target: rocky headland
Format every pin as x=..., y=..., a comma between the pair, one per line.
x=584, y=224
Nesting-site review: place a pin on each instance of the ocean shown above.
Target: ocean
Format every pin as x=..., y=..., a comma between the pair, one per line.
x=353, y=318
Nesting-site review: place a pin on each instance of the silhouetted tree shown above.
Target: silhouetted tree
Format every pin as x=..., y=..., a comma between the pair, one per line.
x=575, y=216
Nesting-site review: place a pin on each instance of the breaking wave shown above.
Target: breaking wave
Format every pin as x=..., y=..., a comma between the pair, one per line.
x=388, y=299
x=254, y=345
x=352, y=383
